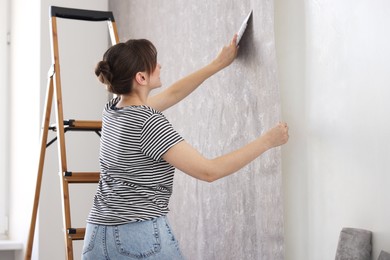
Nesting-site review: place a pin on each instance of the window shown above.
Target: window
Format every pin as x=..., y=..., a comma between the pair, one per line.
x=4, y=151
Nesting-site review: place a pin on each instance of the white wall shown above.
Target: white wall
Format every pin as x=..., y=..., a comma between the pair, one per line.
x=333, y=69
x=290, y=49
x=81, y=46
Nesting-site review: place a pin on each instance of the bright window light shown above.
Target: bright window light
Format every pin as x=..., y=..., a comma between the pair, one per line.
x=4, y=151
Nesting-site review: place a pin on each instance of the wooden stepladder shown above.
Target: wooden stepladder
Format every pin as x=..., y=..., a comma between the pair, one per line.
x=62, y=126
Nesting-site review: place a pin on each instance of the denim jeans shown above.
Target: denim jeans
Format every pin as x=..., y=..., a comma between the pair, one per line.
x=152, y=239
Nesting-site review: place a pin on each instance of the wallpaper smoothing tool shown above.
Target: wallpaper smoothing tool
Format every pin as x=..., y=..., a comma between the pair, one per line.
x=242, y=29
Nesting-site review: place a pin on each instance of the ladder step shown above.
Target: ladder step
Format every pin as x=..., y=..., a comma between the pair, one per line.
x=82, y=177
x=84, y=125
x=76, y=233
x=80, y=125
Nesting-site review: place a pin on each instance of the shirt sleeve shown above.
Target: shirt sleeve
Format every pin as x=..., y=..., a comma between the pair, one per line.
x=158, y=136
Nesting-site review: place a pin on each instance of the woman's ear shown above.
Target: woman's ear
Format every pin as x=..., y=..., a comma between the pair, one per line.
x=141, y=78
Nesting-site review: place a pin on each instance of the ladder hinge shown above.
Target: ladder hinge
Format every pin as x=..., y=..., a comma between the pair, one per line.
x=67, y=174
x=69, y=122
x=72, y=231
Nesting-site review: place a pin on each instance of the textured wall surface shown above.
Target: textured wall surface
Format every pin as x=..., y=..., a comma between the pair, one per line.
x=241, y=216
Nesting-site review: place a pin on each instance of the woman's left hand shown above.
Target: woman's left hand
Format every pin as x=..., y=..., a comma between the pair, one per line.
x=227, y=54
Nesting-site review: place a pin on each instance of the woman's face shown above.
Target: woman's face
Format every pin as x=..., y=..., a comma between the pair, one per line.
x=154, y=78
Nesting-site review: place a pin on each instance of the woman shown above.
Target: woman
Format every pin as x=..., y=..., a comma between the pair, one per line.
x=140, y=150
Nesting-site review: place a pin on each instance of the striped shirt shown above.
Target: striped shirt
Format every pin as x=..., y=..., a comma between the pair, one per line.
x=135, y=182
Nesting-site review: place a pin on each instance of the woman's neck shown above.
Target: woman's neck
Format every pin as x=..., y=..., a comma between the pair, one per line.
x=132, y=99
x=138, y=96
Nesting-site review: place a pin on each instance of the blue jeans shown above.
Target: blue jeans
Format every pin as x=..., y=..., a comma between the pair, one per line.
x=152, y=239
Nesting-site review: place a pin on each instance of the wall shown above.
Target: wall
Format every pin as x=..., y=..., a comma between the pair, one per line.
x=81, y=46
x=241, y=216
x=332, y=59
x=290, y=39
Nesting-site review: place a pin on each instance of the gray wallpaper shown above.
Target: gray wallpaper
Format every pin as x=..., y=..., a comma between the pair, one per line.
x=241, y=216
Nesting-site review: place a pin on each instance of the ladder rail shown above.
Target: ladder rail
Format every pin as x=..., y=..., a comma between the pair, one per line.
x=59, y=112
x=113, y=32
x=44, y=135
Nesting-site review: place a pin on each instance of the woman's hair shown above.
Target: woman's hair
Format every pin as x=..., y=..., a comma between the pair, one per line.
x=123, y=61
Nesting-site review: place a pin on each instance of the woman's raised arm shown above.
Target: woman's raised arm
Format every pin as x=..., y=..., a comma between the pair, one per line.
x=185, y=86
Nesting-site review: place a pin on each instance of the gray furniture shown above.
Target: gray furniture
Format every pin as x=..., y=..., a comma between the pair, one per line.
x=384, y=256
x=354, y=244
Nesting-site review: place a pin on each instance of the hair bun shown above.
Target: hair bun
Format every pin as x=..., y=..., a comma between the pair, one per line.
x=102, y=67
x=103, y=72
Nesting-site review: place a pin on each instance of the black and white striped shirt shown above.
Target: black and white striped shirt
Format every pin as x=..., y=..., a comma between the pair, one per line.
x=135, y=182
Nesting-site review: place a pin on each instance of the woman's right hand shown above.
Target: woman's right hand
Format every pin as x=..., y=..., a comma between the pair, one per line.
x=278, y=135
x=227, y=54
